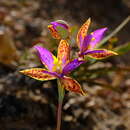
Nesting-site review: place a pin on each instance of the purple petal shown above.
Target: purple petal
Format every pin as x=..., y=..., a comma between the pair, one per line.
x=85, y=44
x=80, y=42
x=60, y=23
x=97, y=36
x=46, y=57
x=72, y=65
x=54, y=74
x=58, y=75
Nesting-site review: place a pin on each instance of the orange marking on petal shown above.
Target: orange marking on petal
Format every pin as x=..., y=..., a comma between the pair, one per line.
x=63, y=52
x=72, y=85
x=54, y=32
x=83, y=31
x=38, y=73
x=103, y=55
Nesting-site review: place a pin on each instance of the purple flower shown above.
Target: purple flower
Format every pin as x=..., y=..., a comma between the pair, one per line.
x=87, y=43
x=53, y=28
x=56, y=67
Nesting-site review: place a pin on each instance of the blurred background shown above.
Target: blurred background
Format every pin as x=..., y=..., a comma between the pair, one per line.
x=27, y=104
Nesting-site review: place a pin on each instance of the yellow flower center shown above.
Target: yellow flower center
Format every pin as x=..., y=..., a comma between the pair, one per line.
x=57, y=66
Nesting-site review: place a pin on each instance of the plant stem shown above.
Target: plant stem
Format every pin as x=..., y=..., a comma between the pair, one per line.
x=60, y=102
x=59, y=116
x=115, y=31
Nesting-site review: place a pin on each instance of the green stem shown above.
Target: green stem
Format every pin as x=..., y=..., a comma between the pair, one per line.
x=60, y=102
x=115, y=31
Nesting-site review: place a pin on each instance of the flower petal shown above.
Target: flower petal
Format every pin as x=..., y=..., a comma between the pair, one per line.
x=54, y=32
x=53, y=28
x=72, y=65
x=63, y=52
x=97, y=36
x=60, y=23
x=72, y=85
x=85, y=44
x=100, y=54
x=46, y=57
x=83, y=32
x=39, y=74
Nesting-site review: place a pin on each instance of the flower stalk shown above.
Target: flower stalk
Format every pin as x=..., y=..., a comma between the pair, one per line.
x=61, y=92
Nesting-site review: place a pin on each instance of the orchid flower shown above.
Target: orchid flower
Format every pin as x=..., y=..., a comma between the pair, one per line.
x=53, y=28
x=59, y=67
x=88, y=43
x=56, y=67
